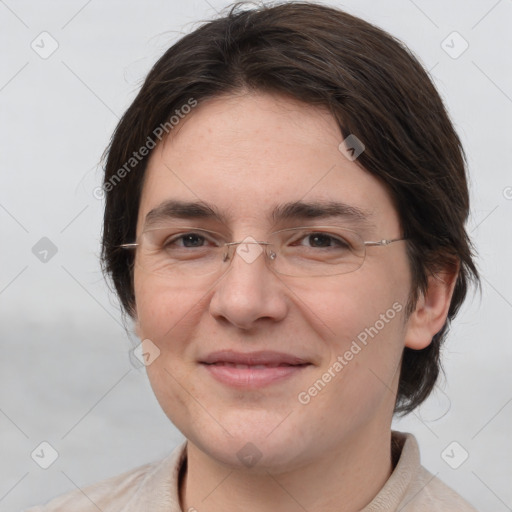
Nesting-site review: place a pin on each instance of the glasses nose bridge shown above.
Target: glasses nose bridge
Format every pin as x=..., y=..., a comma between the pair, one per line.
x=252, y=251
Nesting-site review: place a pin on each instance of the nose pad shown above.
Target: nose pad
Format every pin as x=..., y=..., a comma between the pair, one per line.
x=247, y=294
x=249, y=250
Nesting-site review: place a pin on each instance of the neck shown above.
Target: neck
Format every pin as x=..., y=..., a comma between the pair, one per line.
x=345, y=479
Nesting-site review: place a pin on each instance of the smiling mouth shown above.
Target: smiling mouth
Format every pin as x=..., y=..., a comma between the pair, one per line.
x=253, y=376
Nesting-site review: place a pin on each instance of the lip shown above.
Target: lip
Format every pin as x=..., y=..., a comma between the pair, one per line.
x=262, y=357
x=253, y=370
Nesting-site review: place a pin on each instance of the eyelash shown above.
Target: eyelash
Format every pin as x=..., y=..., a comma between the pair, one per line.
x=336, y=240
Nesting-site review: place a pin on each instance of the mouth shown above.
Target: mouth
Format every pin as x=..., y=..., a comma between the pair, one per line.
x=253, y=370
x=253, y=366
x=265, y=358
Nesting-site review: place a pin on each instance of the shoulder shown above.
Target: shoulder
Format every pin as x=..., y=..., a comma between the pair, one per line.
x=118, y=490
x=114, y=493
x=424, y=491
x=427, y=492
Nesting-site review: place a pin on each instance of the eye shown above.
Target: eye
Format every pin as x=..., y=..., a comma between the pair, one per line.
x=186, y=240
x=323, y=240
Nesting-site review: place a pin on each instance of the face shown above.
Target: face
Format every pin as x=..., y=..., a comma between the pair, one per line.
x=245, y=156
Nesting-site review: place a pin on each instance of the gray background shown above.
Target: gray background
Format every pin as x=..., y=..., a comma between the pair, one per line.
x=65, y=371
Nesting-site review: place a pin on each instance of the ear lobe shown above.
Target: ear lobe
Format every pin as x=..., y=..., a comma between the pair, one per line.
x=431, y=309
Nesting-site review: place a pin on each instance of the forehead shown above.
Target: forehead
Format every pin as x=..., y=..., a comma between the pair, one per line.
x=250, y=155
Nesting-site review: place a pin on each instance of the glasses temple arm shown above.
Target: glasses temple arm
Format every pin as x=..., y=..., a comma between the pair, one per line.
x=384, y=242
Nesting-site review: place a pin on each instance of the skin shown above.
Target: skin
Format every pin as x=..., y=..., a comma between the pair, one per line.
x=246, y=153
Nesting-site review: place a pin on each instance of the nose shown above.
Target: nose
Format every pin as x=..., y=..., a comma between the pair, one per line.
x=249, y=291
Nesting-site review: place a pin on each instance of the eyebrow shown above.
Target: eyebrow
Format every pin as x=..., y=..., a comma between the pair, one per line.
x=295, y=210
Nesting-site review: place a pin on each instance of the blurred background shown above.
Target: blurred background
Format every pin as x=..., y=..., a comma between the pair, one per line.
x=67, y=380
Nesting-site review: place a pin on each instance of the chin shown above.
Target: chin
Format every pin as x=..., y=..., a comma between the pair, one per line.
x=255, y=446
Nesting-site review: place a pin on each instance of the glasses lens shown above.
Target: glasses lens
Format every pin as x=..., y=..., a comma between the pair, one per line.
x=317, y=251
x=180, y=252
x=176, y=252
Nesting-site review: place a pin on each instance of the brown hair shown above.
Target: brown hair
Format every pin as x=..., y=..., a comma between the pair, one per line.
x=376, y=90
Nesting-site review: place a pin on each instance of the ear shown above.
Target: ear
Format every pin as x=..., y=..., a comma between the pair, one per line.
x=431, y=309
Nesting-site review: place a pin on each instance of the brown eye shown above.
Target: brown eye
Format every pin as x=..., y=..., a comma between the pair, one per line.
x=321, y=240
x=325, y=240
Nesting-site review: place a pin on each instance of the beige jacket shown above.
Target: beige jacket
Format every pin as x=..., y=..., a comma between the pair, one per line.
x=154, y=487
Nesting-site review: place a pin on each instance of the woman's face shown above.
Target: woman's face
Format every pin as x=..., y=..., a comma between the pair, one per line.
x=244, y=156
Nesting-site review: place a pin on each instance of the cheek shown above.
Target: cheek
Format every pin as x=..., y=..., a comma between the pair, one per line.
x=363, y=360
x=168, y=316
x=164, y=309
x=348, y=304
x=364, y=315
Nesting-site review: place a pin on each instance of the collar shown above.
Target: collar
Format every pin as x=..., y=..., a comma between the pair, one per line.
x=159, y=490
